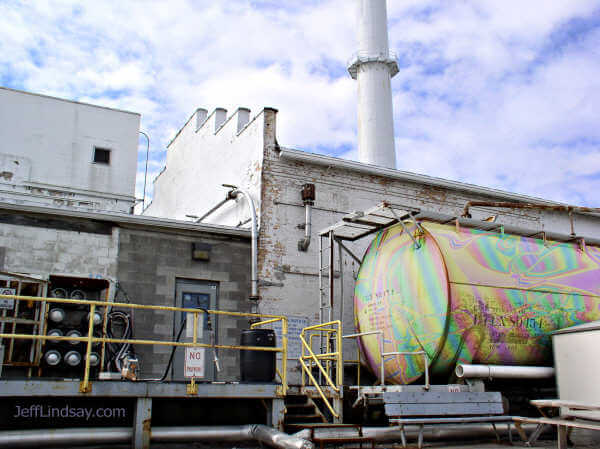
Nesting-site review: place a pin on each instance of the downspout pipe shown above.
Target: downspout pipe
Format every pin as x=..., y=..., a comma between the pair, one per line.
x=308, y=198
x=84, y=436
x=304, y=243
x=233, y=194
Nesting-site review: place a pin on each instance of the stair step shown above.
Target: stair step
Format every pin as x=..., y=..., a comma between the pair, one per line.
x=306, y=405
x=308, y=416
x=303, y=419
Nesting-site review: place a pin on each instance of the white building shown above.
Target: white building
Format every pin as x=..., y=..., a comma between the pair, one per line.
x=66, y=154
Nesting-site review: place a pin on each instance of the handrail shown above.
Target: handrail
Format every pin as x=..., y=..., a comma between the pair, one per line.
x=425, y=359
x=379, y=333
x=316, y=360
x=318, y=388
x=330, y=328
x=90, y=339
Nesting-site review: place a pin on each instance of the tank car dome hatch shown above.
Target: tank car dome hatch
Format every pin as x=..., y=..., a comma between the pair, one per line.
x=469, y=296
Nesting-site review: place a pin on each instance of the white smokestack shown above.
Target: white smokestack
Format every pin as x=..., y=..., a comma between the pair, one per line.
x=374, y=68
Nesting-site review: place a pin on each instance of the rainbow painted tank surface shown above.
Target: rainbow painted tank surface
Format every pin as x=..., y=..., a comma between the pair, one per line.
x=470, y=296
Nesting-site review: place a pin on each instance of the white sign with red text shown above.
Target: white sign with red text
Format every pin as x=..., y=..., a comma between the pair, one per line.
x=194, y=362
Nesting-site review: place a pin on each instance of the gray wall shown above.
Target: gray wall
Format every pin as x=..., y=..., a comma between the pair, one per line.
x=148, y=266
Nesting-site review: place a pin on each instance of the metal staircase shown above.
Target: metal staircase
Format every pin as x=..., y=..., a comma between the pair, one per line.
x=302, y=409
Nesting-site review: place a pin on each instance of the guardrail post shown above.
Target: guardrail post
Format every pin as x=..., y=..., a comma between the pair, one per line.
x=192, y=388
x=141, y=423
x=284, y=343
x=85, y=386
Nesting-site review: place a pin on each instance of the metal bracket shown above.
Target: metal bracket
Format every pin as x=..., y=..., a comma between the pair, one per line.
x=350, y=253
x=405, y=229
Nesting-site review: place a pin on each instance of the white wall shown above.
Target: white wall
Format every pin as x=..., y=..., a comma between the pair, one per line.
x=201, y=159
x=47, y=148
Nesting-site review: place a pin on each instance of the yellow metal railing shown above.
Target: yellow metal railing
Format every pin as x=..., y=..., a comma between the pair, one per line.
x=86, y=386
x=284, y=341
x=332, y=332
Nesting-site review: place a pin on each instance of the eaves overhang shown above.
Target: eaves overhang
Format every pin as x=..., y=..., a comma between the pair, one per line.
x=129, y=220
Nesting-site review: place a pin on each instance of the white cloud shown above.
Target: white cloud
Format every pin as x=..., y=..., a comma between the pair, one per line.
x=501, y=94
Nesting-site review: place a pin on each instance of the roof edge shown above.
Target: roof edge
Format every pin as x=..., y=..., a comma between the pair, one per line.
x=319, y=159
x=138, y=220
x=69, y=101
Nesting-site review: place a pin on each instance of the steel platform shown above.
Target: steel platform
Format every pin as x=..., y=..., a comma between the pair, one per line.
x=143, y=392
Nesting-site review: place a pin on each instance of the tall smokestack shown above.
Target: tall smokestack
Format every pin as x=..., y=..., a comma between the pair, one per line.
x=373, y=67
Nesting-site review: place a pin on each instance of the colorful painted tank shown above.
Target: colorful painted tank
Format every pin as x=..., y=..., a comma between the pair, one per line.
x=470, y=296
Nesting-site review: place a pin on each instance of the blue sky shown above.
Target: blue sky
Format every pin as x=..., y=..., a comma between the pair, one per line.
x=501, y=94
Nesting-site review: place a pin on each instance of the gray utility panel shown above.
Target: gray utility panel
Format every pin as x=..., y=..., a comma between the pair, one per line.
x=195, y=295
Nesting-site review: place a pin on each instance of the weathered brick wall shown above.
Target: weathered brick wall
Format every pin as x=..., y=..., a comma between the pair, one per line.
x=289, y=277
x=148, y=267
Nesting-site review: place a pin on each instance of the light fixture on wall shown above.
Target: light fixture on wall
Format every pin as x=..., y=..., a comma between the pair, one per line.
x=201, y=251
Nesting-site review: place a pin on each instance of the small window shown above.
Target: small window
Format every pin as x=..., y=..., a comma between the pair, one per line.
x=101, y=155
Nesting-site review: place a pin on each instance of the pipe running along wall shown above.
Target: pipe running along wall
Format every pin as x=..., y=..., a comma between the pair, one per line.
x=76, y=437
x=232, y=195
x=503, y=372
x=470, y=296
x=254, y=223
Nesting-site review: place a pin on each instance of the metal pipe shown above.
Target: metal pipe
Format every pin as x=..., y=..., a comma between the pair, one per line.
x=257, y=432
x=508, y=229
x=425, y=362
x=145, y=171
x=502, y=204
x=439, y=433
x=103, y=436
x=304, y=243
x=379, y=334
x=213, y=209
x=65, y=437
x=233, y=194
x=503, y=372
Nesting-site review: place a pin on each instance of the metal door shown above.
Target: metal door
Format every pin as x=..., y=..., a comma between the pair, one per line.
x=195, y=295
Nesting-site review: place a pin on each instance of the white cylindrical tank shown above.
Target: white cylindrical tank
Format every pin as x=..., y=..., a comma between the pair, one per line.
x=373, y=67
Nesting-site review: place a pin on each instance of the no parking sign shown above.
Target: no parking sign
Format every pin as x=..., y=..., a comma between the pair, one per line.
x=194, y=362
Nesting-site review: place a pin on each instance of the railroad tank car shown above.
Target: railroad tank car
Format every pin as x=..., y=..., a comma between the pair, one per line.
x=469, y=296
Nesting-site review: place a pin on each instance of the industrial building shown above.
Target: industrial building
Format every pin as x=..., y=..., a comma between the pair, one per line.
x=63, y=153
x=374, y=281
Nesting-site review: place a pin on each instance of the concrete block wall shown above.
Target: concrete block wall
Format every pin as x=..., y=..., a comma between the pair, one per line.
x=44, y=251
x=150, y=264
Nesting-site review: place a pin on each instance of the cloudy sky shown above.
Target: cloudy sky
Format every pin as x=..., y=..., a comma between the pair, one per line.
x=503, y=94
